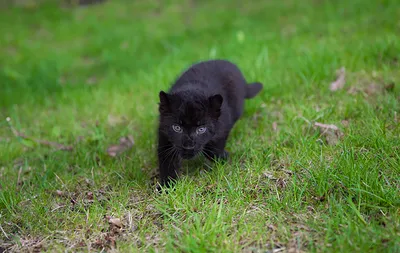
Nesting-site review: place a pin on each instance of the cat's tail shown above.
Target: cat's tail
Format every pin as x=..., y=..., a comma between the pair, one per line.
x=253, y=89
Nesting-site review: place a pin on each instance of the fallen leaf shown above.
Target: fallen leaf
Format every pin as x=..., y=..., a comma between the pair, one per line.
x=115, y=222
x=353, y=90
x=375, y=88
x=115, y=120
x=90, y=195
x=268, y=175
x=331, y=133
x=372, y=89
x=325, y=126
x=277, y=250
x=340, y=80
x=59, y=193
x=345, y=123
x=369, y=84
x=19, y=176
x=125, y=143
x=281, y=183
x=274, y=126
x=289, y=172
x=210, y=187
x=319, y=198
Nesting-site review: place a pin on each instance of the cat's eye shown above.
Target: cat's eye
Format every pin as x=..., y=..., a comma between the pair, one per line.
x=177, y=128
x=201, y=130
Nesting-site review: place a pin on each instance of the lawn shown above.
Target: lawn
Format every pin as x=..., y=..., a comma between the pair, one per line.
x=313, y=167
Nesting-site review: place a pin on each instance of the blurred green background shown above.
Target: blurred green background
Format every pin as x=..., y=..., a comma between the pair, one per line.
x=85, y=75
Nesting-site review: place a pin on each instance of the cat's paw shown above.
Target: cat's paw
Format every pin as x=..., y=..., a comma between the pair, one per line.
x=225, y=155
x=222, y=157
x=165, y=185
x=163, y=189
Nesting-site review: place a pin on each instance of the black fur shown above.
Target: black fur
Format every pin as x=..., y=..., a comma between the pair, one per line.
x=209, y=95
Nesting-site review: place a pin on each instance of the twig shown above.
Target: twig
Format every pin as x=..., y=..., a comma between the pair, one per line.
x=58, y=207
x=43, y=142
x=19, y=176
x=63, y=185
x=4, y=232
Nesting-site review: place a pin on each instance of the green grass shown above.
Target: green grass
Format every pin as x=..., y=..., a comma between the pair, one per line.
x=87, y=76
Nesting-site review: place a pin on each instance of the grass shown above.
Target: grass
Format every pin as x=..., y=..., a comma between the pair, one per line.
x=87, y=76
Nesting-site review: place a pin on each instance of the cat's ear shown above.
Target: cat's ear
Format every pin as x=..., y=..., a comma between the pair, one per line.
x=164, y=105
x=215, y=102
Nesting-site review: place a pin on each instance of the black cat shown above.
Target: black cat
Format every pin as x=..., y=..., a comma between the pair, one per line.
x=198, y=113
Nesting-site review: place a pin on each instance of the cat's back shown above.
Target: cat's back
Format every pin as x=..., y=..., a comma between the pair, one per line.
x=214, y=76
x=211, y=69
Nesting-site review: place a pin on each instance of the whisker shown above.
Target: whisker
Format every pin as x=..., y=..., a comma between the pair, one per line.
x=165, y=150
x=175, y=153
x=206, y=155
x=167, y=156
x=167, y=145
x=211, y=149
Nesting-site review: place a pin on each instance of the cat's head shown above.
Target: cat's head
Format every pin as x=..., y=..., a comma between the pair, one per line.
x=189, y=120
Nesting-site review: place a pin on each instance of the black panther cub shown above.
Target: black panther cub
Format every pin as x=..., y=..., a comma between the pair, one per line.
x=198, y=113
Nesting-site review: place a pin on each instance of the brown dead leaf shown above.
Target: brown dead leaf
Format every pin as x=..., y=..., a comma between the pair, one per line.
x=289, y=172
x=372, y=89
x=116, y=222
x=106, y=241
x=331, y=132
x=28, y=244
x=268, y=175
x=340, y=80
x=60, y=193
x=319, y=198
x=90, y=195
x=115, y=120
x=345, y=123
x=281, y=183
x=125, y=143
x=376, y=88
x=369, y=84
x=326, y=127
x=274, y=126
x=211, y=186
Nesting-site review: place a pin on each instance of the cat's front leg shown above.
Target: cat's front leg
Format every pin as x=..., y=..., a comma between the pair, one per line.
x=169, y=161
x=215, y=150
